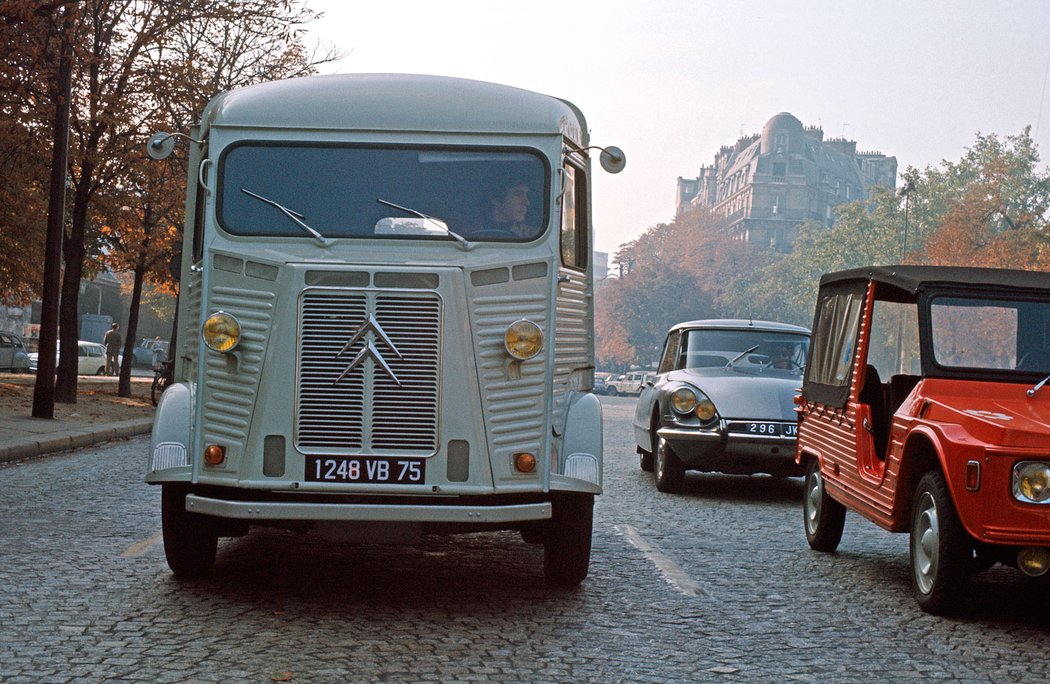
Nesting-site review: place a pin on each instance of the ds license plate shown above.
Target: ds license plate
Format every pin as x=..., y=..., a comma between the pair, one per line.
x=366, y=470
x=769, y=429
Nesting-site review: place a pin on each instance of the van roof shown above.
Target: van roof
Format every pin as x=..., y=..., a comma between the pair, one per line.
x=395, y=102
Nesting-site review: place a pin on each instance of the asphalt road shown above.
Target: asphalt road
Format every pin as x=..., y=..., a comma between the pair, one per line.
x=714, y=584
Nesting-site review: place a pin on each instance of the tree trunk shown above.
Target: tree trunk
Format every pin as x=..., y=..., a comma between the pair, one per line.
x=124, y=386
x=68, y=325
x=44, y=389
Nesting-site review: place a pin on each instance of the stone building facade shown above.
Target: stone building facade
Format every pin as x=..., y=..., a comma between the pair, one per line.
x=767, y=184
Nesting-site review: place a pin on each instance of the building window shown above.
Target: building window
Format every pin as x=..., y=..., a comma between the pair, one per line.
x=779, y=169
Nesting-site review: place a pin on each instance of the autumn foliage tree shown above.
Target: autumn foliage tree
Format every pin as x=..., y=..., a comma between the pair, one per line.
x=136, y=63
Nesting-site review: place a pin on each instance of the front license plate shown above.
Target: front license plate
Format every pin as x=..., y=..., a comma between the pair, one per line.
x=769, y=429
x=359, y=469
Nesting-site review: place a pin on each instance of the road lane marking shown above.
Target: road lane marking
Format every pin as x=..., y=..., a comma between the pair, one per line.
x=139, y=548
x=671, y=571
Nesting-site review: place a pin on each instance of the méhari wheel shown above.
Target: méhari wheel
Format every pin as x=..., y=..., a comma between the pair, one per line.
x=668, y=468
x=941, y=551
x=567, y=543
x=190, y=541
x=824, y=517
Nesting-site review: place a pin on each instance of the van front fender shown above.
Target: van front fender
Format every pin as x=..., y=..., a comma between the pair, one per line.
x=581, y=451
x=169, y=452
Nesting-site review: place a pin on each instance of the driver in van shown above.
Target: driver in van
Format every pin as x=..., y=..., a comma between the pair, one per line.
x=507, y=205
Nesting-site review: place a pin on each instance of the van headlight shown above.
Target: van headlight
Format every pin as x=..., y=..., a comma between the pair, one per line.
x=1031, y=482
x=221, y=332
x=523, y=339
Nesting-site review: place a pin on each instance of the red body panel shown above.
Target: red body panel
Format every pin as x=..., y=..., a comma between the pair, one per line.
x=992, y=423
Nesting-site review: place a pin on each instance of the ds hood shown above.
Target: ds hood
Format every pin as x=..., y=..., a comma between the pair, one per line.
x=745, y=396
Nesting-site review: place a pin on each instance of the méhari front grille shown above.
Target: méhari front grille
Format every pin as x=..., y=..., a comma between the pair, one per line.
x=379, y=394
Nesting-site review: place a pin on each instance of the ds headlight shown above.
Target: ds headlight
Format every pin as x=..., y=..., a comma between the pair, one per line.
x=683, y=400
x=1032, y=481
x=523, y=339
x=705, y=409
x=221, y=332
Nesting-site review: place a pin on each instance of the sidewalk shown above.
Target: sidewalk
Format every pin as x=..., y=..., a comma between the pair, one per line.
x=99, y=415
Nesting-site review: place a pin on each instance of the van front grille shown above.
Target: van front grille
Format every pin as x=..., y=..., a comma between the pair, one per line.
x=379, y=394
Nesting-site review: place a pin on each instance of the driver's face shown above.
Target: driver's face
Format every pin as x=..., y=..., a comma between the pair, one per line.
x=514, y=205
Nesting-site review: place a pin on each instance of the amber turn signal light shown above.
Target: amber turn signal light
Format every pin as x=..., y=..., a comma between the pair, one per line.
x=214, y=454
x=524, y=463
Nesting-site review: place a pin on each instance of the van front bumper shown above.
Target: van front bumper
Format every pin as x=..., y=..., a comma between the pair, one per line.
x=293, y=510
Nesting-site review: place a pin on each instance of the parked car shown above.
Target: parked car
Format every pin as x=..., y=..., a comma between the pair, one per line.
x=925, y=409
x=600, y=383
x=145, y=355
x=628, y=383
x=13, y=354
x=722, y=401
x=91, y=359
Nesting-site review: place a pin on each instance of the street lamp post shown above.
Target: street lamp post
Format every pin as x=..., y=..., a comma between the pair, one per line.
x=905, y=192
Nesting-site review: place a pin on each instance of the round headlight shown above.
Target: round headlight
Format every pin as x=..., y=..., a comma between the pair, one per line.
x=705, y=409
x=221, y=332
x=1032, y=481
x=683, y=400
x=523, y=339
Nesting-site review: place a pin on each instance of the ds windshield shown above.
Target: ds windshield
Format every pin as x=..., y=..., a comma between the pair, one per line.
x=745, y=349
x=990, y=334
x=480, y=194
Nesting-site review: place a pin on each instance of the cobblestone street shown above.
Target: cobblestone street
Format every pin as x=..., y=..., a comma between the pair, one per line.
x=715, y=584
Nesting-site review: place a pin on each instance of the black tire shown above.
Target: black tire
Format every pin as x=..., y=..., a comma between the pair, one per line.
x=613, y=392
x=160, y=383
x=668, y=468
x=645, y=461
x=941, y=551
x=190, y=541
x=822, y=516
x=567, y=544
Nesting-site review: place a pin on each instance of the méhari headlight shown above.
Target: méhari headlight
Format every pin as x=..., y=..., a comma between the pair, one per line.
x=523, y=339
x=1031, y=482
x=221, y=332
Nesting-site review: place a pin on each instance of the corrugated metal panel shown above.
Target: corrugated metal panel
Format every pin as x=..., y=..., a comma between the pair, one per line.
x=573, y=341
x=229, y=394
x=513, y=406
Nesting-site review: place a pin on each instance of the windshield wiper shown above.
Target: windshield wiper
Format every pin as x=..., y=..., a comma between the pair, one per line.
x=294, y=215
x=463, y=242
x=741, y=355
x=1039, y=386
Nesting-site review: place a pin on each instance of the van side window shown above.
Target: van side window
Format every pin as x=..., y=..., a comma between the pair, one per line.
x=574, y=238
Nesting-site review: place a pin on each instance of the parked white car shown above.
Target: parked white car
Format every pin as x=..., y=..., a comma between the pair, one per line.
x=628, y=383
x=91, y=360
x=13, y=356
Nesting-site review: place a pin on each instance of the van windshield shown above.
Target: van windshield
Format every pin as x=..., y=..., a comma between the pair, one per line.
x=482, y=194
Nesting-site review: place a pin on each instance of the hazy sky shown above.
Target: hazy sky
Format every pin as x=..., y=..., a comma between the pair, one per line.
x=671, y=81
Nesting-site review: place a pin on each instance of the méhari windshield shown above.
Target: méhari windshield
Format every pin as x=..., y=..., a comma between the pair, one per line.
x=343, y=191
x=990, y=333
x=745, y=349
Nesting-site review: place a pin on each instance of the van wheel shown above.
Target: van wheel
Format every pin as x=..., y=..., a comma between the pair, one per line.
x=669, y=470
x=941, y=552
x=823, y=516
x=567, y=544
x=190, y=540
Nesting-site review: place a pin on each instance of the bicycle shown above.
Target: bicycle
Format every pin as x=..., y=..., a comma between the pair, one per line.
x=163, y=377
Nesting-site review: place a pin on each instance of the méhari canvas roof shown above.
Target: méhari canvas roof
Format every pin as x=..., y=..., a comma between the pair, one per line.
x=395, y=102
x=910, y=279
